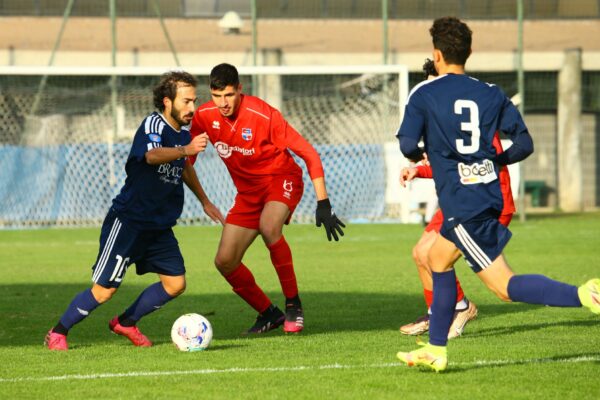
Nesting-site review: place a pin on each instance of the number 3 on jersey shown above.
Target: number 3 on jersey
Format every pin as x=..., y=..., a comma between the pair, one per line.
x=472, y=127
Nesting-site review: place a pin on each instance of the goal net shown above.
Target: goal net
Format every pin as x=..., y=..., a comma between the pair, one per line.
x=65, y=134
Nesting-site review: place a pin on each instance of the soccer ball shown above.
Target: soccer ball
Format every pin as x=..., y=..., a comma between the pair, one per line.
x=191, y=332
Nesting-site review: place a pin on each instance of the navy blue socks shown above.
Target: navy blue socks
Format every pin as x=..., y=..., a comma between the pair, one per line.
x=442, y=308
x=81, y=306
x=538, y=289
x=151, y=299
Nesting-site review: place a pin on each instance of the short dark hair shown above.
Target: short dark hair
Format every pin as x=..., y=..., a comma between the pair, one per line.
x=453, y=38
x=168, y=84
x=224, y=75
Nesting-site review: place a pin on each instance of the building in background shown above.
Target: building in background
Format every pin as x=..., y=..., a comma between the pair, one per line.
x=561, y=60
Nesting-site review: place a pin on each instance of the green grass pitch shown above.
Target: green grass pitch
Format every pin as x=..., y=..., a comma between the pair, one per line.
x=356, y=294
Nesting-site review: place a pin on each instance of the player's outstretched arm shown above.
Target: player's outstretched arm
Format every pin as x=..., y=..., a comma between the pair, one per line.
x=324, y=214
x=191, y=180
x=162, y=155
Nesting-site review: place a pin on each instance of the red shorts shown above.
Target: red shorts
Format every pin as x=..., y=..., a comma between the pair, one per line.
x=248, y=206
x=438, y=219
x=436, y=222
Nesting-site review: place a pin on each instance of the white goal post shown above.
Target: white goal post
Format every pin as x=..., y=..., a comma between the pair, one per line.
x=63, y=159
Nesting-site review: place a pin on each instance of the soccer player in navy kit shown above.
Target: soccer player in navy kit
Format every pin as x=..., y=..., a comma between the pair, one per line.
x=457, y=117
x=137, y=228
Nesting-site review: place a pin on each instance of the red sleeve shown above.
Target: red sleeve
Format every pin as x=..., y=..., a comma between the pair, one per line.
x=283, y=135
x=497, y=143
x=504, y=177
x=196, y=129
x=424, y=171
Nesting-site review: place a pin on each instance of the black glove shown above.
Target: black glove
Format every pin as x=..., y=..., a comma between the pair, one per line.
x=327, y=217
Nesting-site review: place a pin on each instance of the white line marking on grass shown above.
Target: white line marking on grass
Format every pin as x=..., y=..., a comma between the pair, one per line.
x=580, y=359
x=499, y=363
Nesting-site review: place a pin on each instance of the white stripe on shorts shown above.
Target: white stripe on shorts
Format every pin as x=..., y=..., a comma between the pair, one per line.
x=107, y=249
x=474, y=250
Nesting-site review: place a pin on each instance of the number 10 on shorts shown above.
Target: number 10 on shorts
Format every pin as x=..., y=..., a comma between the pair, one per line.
x=120, y=268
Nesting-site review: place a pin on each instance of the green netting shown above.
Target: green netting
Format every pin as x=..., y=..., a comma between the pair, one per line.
x=63, y=163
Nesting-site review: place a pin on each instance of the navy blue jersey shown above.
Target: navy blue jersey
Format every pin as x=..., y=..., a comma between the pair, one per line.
x=152, y=197
x=457, y=117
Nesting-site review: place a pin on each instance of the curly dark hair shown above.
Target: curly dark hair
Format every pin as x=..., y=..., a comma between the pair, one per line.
x=168, y=84
x=429, y=68
x=224, y=75
x=453, y=38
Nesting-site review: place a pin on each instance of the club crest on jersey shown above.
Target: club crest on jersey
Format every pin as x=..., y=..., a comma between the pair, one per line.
x=154, y=137
x=247, y=134
x=287, y=189
x=483, y=172
x=216, y=125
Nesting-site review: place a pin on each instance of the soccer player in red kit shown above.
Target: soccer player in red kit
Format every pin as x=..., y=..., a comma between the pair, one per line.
x=252, y=138
x=465, y=310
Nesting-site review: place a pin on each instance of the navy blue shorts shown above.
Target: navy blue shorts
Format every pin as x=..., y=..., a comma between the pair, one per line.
x=480, y=240
x=154, y=251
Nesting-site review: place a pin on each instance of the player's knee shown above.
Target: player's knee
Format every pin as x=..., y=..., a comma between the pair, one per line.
x=103, y=294
x=271, y=233
x=176, y=288
x=225, y=263
x=430, y=263
x=415, y=256
x=421, y=257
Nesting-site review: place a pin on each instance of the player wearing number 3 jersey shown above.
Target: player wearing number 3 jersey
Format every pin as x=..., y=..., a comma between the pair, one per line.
x=137, y=229
x=457, y=117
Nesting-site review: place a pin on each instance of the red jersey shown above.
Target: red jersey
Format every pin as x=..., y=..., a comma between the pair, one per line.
x=254, y=143
x=424, y=171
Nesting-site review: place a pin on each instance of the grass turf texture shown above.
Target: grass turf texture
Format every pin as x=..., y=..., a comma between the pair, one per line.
x=356, y=294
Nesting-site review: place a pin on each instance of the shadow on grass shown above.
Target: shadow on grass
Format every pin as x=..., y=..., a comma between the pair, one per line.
x=565, y=359
x=27, y=312
x=490, y=310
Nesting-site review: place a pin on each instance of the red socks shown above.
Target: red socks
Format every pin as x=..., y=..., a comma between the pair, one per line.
x=281, y=257
x=459, y=292
x=428, y=294
x=428, y=297
x=243, y=283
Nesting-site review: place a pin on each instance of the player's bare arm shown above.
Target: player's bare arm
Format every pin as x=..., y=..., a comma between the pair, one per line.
x=162, y=155
x=190, y=178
